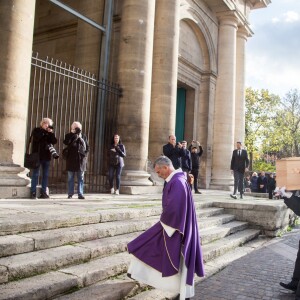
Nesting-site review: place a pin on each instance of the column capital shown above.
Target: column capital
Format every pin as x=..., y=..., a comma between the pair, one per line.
x=228, y=18
x=243, y=33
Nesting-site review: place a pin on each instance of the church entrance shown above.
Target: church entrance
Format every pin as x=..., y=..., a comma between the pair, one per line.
x=180, y=114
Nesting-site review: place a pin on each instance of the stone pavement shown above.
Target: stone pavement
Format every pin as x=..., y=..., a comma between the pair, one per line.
x=256, y=275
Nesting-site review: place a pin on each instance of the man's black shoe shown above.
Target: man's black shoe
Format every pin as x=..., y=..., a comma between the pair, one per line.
x=33, y=195
x=289, y=286
x=81, y=197
x=233, y=196
x=241, y=197
x=70, y=196
x=197, y=192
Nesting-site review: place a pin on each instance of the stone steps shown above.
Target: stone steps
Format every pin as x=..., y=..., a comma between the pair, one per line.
x=221, y=246
x=88, y=254
x=31, y=221
x=111, y=238
x=214, y=233
x=43, y=239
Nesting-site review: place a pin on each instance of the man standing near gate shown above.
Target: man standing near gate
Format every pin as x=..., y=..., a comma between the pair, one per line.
x=239, y=164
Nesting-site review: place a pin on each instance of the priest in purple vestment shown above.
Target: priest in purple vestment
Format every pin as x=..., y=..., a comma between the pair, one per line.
x=167, y=255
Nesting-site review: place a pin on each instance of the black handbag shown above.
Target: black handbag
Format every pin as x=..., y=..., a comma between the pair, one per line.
x=31, y=160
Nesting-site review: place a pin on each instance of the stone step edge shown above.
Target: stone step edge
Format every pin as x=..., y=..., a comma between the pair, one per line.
x=49, y=222
x=49, y=285
x=56, y=257
x=43, y=239
x=211, y=234
x=218, y=248
x=86, y=274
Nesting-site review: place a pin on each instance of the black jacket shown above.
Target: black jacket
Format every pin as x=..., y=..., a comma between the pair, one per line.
x=196, y=158
x=41, y=138
x=186, y=161
x=174, y=153
x=120, y=151
x=78, y=149
x=239, y=163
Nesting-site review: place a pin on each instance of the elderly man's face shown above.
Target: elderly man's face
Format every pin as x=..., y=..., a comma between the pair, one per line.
x=162, y=171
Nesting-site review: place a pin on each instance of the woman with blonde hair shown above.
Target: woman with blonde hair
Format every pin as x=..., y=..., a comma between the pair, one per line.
x=78, y=149
x=43, y=139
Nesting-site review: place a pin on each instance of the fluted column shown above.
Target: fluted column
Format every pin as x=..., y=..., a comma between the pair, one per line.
x=16, y=35
x=223, y=140
x=164, y=75
x=242, y=35
x=135, y=70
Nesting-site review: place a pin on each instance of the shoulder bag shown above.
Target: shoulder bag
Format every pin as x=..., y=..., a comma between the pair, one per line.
x=31, y=160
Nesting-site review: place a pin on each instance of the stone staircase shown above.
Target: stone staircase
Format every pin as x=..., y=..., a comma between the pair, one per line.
x=69, y=257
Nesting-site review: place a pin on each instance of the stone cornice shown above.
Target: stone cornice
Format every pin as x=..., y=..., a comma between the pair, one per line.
x=255, y=4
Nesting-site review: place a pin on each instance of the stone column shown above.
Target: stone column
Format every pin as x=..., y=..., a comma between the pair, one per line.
x=242, y=35
x=164, y=75
x=224, y=124
x=135, y=69
x=16, y=33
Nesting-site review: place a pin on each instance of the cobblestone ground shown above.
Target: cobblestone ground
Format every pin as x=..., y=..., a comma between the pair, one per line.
x=255, y=276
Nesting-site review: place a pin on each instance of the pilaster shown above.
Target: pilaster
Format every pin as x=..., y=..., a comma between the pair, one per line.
x=135, y=70
x=223, y=140
x=242, y=35
x=164, y=75
x=16, y=34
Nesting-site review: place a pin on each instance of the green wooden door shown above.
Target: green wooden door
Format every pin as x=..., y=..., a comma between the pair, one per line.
x=180, y=114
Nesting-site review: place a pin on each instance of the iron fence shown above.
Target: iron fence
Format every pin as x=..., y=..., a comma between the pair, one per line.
x=65, y=94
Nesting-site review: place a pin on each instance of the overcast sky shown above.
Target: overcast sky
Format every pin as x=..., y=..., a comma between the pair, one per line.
x=273, y=52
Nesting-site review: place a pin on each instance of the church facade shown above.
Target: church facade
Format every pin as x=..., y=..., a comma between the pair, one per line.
x=180, y=66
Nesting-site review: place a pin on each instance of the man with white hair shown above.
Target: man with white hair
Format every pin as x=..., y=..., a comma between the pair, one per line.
x=168, y=254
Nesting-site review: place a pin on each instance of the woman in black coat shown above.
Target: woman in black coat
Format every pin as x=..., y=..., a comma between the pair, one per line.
x=43, y=139
x=116, y=154
x=76, y=159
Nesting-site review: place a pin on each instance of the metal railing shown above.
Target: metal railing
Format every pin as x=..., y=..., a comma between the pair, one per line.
x=66, y=94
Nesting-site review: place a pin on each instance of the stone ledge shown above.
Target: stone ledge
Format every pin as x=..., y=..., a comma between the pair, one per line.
x=257, y=195
x=270, y=216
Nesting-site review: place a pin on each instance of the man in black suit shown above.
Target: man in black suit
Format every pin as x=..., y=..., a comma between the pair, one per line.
x=239, y=164
x=174, y=151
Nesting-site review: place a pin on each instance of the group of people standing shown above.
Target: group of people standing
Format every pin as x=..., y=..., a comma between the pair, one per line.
x=186, y=158
x=75, y=153
x=262, y=184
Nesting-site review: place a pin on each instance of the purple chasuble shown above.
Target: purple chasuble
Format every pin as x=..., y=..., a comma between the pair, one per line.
x=161, y=252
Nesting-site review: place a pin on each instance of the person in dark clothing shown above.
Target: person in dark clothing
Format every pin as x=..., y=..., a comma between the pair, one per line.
x=116, y=155
x=173, y=151
x=254, y=187
x=76, y=161
x=186, y=162
x=292, y=200
x=262, y=183
x=195, y=156
x=42, y=137
x=271, y=185
x=239, y=164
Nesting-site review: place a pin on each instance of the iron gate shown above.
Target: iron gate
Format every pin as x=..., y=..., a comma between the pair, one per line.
x=66, y=94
